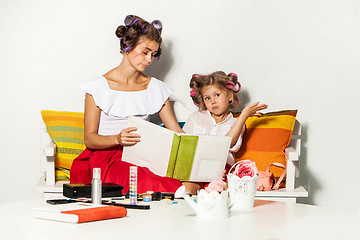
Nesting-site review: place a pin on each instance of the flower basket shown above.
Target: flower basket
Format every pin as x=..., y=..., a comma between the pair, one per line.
x=242, y=185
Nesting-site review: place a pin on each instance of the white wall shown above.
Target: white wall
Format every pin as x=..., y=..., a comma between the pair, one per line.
x=289, y=54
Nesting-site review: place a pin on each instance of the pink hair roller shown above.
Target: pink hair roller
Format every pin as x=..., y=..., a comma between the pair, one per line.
x=235, y=87
x=233, y=74
x=230, y=84
x=193, y=92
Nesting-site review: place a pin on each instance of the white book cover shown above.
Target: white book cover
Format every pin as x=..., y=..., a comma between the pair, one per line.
x=185, y=157
x=53, y=212
x=78, y=212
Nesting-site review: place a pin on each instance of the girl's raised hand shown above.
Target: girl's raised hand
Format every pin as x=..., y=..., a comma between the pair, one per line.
x=252, y=109
x=127, y=138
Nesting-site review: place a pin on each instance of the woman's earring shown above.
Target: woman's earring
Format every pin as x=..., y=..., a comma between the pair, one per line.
x=230, y=101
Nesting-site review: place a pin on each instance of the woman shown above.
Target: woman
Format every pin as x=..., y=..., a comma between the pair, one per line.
x=111, y=98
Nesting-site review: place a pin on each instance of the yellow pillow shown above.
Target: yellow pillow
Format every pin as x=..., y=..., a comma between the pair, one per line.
x=66, y=129
x=266, y=138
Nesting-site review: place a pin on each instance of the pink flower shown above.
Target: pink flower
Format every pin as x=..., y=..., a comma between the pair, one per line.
x=245, y=168
x=215, y=185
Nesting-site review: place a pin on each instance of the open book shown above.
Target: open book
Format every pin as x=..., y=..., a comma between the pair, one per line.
x=198, y=158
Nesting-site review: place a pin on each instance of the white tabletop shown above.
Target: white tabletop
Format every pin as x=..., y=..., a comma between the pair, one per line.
x=268, y=220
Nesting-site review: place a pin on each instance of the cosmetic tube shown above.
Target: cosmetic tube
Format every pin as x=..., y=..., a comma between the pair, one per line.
x=96, y=187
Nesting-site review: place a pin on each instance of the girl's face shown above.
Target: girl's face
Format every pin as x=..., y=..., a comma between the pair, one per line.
x=143, y=54
x=216, y=100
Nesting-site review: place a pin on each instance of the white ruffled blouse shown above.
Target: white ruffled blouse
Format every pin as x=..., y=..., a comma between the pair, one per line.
x=116, y=106
x=202, y=123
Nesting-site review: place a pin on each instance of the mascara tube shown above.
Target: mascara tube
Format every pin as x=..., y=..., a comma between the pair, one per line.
x=96, y=187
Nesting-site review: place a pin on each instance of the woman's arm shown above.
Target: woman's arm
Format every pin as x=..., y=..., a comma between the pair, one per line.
x=248, y=111
x=168, y=118
x=92, y=139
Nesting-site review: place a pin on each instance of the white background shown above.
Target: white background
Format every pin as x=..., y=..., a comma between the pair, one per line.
x=289, y=54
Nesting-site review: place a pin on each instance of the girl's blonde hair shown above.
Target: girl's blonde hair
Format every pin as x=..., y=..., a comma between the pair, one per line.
x=228, y=82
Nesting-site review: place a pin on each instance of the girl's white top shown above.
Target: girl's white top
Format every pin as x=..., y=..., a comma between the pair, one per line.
x=202, y=123
x=116, y=106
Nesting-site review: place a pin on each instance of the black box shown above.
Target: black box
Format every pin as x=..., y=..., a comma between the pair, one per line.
x=80, y=190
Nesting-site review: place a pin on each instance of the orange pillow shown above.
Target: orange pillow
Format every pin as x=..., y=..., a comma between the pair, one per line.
x=266, y=138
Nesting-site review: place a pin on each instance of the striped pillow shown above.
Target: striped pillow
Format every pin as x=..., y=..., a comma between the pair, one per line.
x=266, y=138
x=66, y=129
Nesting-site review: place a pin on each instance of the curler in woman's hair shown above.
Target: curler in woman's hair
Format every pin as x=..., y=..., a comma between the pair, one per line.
x=127, y=49
x=120, y=32
x=157, y=24
x=130, y=20
x=145, y=28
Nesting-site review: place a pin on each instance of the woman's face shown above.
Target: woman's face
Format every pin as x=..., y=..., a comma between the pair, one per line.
x=216, y=99
x=143, y=54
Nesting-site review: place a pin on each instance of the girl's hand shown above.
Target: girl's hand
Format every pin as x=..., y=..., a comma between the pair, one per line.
x=127, y=138
x=252, y=109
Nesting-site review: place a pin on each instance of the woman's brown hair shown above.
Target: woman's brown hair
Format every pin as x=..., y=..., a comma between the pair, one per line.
x=130, y=35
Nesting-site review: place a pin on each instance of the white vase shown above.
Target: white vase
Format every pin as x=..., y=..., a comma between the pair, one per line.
x=242, y=192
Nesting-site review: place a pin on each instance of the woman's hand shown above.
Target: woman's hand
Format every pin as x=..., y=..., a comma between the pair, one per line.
x=252, y=109
x=127, y=138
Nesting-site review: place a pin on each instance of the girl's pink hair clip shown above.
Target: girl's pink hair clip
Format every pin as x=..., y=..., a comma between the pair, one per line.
x=193, y=92
x=195, y=76
x=235, y=87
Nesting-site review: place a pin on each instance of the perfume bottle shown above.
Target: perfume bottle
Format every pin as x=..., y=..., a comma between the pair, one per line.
x=96, y=187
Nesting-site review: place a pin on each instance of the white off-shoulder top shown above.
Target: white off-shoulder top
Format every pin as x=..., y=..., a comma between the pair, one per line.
x=116, y=106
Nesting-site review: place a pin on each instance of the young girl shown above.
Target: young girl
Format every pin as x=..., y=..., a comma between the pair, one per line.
x=214, y=94
x=111, y=98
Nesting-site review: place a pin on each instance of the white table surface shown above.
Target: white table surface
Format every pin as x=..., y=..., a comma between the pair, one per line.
x=268, y=220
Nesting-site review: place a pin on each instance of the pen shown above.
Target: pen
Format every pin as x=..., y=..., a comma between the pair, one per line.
x=130, y=206
x=63, y=201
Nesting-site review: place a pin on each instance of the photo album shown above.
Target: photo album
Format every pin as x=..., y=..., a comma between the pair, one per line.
x=198, y=158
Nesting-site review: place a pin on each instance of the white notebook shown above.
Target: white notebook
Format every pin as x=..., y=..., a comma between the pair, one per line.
x=198, y=158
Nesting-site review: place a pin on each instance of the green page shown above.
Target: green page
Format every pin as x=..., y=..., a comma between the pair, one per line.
x=173, y=154
x=185, y=157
